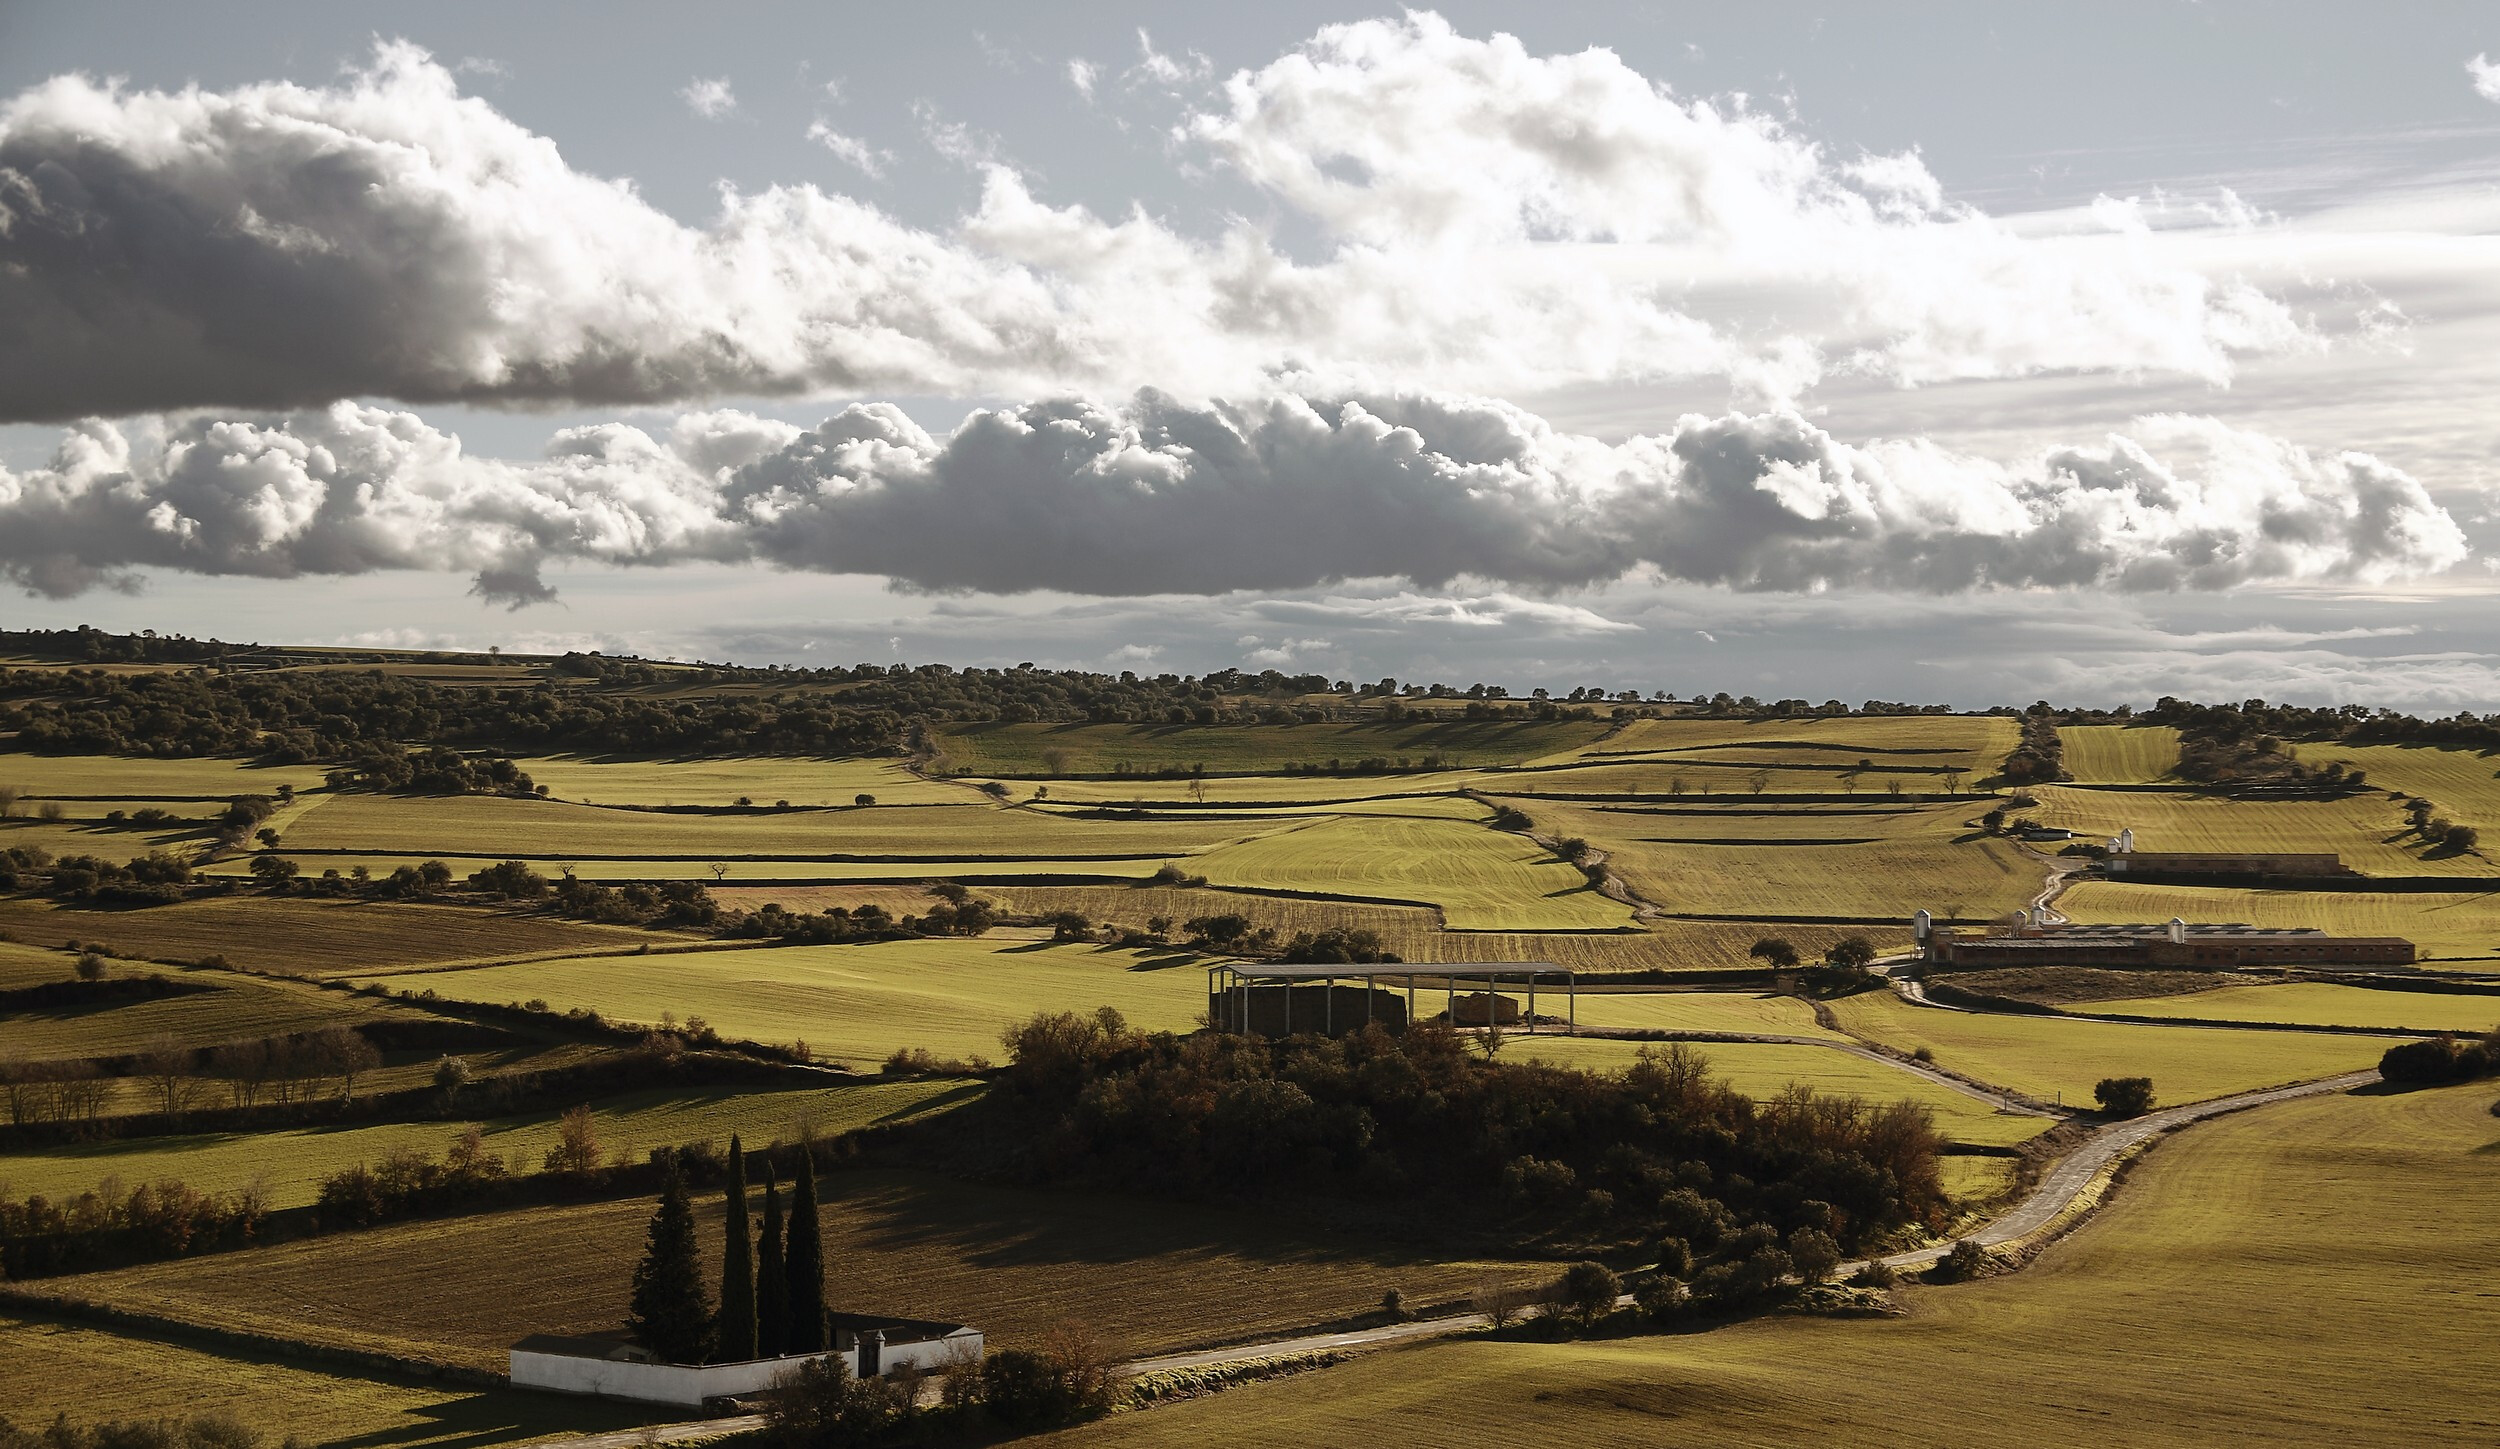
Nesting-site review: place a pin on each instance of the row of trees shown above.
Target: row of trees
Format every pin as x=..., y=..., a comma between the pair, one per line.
x=772, y=1287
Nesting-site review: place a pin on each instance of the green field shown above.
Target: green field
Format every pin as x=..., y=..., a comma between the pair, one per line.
x=2319, y=1004
x=2051, y=1058
x=119, y=778
x=1923, y=858
x=854, y=1004
x=1481, y=879
x=236, y=1008
x=1011, y=1261
x=2367, y=830
x=2120, y=754
x=2312, y=1273
x=1972, y=742
x=294, y=934
x=1761, y=1070
x=1729, y=1011
x=2464, y=784
x=716, y=780
x=1030, y=750
x=493, y=827
x=2462, y=926
x=49, y=1367
x=288, y=1166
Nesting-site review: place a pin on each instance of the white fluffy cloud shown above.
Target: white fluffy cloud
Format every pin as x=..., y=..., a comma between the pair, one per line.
x=711, y=99
x=2486, y=74
x=1160, y=496
x=1487, y=220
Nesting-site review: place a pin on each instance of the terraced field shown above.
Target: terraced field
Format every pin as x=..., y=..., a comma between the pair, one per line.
x=288, y=1166
x=2214, y=1235
x=2120, y=754
x=2367, y=830
x=50, y=1368
x=1046, y=750
x=718, y=780
x=1145, y=1275
x=2460, y=927
x=235, y=1008
x=1480, y=879
x=2319, y=1004
x=853, y=1004
x=2053, y=1058
x=324, y=937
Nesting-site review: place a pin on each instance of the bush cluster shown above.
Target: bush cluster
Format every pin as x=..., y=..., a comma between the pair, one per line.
x=2439, y=1060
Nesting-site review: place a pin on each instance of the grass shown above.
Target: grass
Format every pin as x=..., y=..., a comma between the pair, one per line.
x=2120, y=754
x=2313, y=1273
x=293, y=934
x=236, y=1008
x=2367, y=830
x=89, y=1374
x=1031, y=749
x=1920, y=858
x=2462, y=783
x=2446, y=926
x=855, y=1004
x=2048, y=1057
x=119, y=777
x=2320, y=1004
x=721, y=781
x=1010, y=1261
x=1729, y=1011
x=494, y=827
x=22, y=965
x=1481, y=879
x=288, y=1165
x=1972, y=742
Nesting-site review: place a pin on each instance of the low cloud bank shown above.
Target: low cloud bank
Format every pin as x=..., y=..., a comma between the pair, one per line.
x=1157, y=496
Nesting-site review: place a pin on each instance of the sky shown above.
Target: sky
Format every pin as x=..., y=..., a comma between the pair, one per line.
x=1962, y=353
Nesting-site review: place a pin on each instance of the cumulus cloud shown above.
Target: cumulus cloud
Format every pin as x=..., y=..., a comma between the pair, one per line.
x=711, y=99
x=1160, y=496
x=2486, y=74
x=857, y=152
x=1482, y=219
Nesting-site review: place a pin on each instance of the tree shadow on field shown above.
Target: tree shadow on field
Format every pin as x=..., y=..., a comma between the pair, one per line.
x=483, y=1419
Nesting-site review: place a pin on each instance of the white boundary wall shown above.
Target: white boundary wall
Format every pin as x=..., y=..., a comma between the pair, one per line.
x=689, y=1384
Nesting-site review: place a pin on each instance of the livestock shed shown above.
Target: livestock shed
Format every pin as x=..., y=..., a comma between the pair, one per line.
x=1260, y=999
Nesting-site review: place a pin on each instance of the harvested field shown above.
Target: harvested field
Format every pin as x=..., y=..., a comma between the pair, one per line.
x=50, y=1368
x=1146, y=1275
x=2367, y=830
x=1045, y=750
x=2053, y=1058
x=713, y=780
x=2310, y=1003
x=1481, y=879
x=489, y=827
x=323, y=937
x=2461, y=926
x=236, y=1008
x=854, y=1004
x=2212, y=1237
x=2120, y=754
x=288, y=1165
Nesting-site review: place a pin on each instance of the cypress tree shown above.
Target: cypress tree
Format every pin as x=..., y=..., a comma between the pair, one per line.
x=772, y=1281
x=806, y=1267
x=671, y=1315
x=737, y=1266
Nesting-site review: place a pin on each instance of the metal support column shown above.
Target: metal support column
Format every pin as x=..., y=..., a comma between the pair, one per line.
x=1532, y=1001
x=1571, y=982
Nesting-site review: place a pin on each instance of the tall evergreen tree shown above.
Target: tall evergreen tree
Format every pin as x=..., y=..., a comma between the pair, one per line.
x=670, y=1314
x=737, y=1266
x=772, y=1281
x=806, y=1267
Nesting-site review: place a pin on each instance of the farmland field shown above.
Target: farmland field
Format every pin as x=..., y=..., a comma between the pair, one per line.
x=492, y=827
x=2317, y=1004
x=118, y=778
x=721, y=780
x=2464, y=784
x=1031, y=749
x=1729, y=1011
x=258, y=933
x=288, y=1165
x=1481, y=879
x=2367, y=830
x=1973, y=742
x=2120, y=754
x=798, y=871
x=49, y=1368
x=235, y=1008
x=1761, y=1069
x=1145, y=1275
x=855, y=1004
x=2375, y=1205
x=2052, y=1058
x=2461, y=926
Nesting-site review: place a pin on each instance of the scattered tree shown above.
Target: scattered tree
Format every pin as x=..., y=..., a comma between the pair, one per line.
x=1817, y=1257
x=1774, y=952
x=577, y=1142
x=2124, y=1096
x=1586, y=1293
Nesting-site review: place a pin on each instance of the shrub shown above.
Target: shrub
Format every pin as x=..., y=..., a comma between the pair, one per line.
x=1070, y=1380
x=1876, y=1274
x=1661, y=1298
x=92, y=966
x=1965, y=1261
x=1586, y=1293
x=2124, y=1096
x=1817, y=1257
x=819, y=1404
x=2437, y=1060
